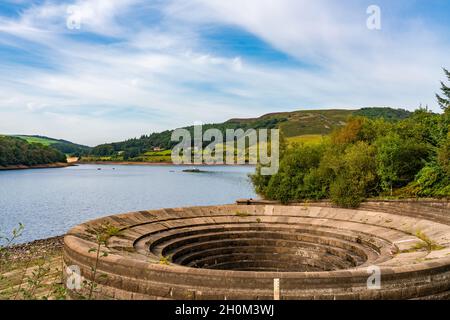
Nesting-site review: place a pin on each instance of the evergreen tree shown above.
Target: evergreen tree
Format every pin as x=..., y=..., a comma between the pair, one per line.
x=444, y=101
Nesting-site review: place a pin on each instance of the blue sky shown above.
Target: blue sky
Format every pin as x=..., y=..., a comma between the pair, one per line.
x=139, y=66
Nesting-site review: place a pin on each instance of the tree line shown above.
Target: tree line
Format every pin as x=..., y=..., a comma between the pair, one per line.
x=368, y=158
x=15, y=151
x=134, y=147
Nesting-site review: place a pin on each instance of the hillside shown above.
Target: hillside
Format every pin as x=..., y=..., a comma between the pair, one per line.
x=366, y=158
x=17, y=152
x=385, y=113
x=64, y=146
x=312, y=123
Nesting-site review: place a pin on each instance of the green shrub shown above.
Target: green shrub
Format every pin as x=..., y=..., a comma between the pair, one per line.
x=293, y=180
x=431, y=181
x=398, y=160
x=444, y=155
x=356, y=176
x=345, y=194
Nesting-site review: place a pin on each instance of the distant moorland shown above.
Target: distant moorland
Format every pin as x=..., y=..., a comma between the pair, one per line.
x=305, y=125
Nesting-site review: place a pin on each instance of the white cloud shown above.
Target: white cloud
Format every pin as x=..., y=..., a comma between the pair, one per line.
x=405, y=57
x=162, y=75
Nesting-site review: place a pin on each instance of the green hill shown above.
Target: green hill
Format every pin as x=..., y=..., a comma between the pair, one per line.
x=15, y=151
x=293, y=125
x=63, y=146
x=37, y=139
x=309, y=122
x=299, y=123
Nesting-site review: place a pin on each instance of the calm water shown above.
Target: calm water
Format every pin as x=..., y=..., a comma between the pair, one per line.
x=51, y=201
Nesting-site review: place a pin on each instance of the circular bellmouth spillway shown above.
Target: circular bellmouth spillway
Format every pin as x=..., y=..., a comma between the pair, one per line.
x=236, y=252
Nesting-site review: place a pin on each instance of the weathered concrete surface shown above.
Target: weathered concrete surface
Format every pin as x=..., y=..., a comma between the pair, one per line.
x=236, y=252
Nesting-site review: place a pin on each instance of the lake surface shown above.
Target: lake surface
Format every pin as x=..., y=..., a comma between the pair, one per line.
x=51, y=201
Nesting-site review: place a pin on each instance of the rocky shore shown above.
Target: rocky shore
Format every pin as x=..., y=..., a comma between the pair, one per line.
x=38, y=166
x=35, y=249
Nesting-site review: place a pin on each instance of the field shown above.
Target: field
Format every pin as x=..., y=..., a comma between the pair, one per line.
x=164, y=156
x=149, y=156
x=42, y=140
x=305, y=139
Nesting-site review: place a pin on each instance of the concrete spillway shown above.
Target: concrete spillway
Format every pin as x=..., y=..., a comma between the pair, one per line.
x=236, y=252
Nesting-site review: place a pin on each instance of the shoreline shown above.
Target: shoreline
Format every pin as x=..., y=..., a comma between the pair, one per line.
x=34, y=249
x=38, y=166
x=54, y=245
x=135, y=163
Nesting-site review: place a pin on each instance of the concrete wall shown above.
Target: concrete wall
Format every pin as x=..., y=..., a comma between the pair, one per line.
x=236, y=251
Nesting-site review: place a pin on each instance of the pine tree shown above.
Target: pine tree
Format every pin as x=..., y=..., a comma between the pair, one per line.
x=444, y=101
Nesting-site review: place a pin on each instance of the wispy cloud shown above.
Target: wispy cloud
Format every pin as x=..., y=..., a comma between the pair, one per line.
x=140, y=66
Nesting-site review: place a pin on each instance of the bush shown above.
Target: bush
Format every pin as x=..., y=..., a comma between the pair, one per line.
x=431, y=181
x=345, y=194
x=444, y=155
x=292, y=180
x=398, y=160
x=356, y=177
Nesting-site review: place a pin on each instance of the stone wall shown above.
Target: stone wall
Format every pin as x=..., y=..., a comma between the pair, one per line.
x=236, y=251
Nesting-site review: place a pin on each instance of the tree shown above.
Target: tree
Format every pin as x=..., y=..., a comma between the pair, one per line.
x=103, y=150
x=131, y=153
x=15, y=151
x=398, y=160
x=444, y=101
x=351, y=132
x=290, y=183
x=387, y=158
x=356, y=178
x=444, y=155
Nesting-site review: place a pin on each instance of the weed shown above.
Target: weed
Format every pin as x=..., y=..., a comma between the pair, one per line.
x=164, y=260
x=8, y=240
x=426, y=244
x=242, y=214
x=29, y=277
x=430, y=244
x=102, y=234
x=34, y=282
x=5, y=243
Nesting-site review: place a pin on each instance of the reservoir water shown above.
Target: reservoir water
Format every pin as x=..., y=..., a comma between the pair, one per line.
x=51, y=201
